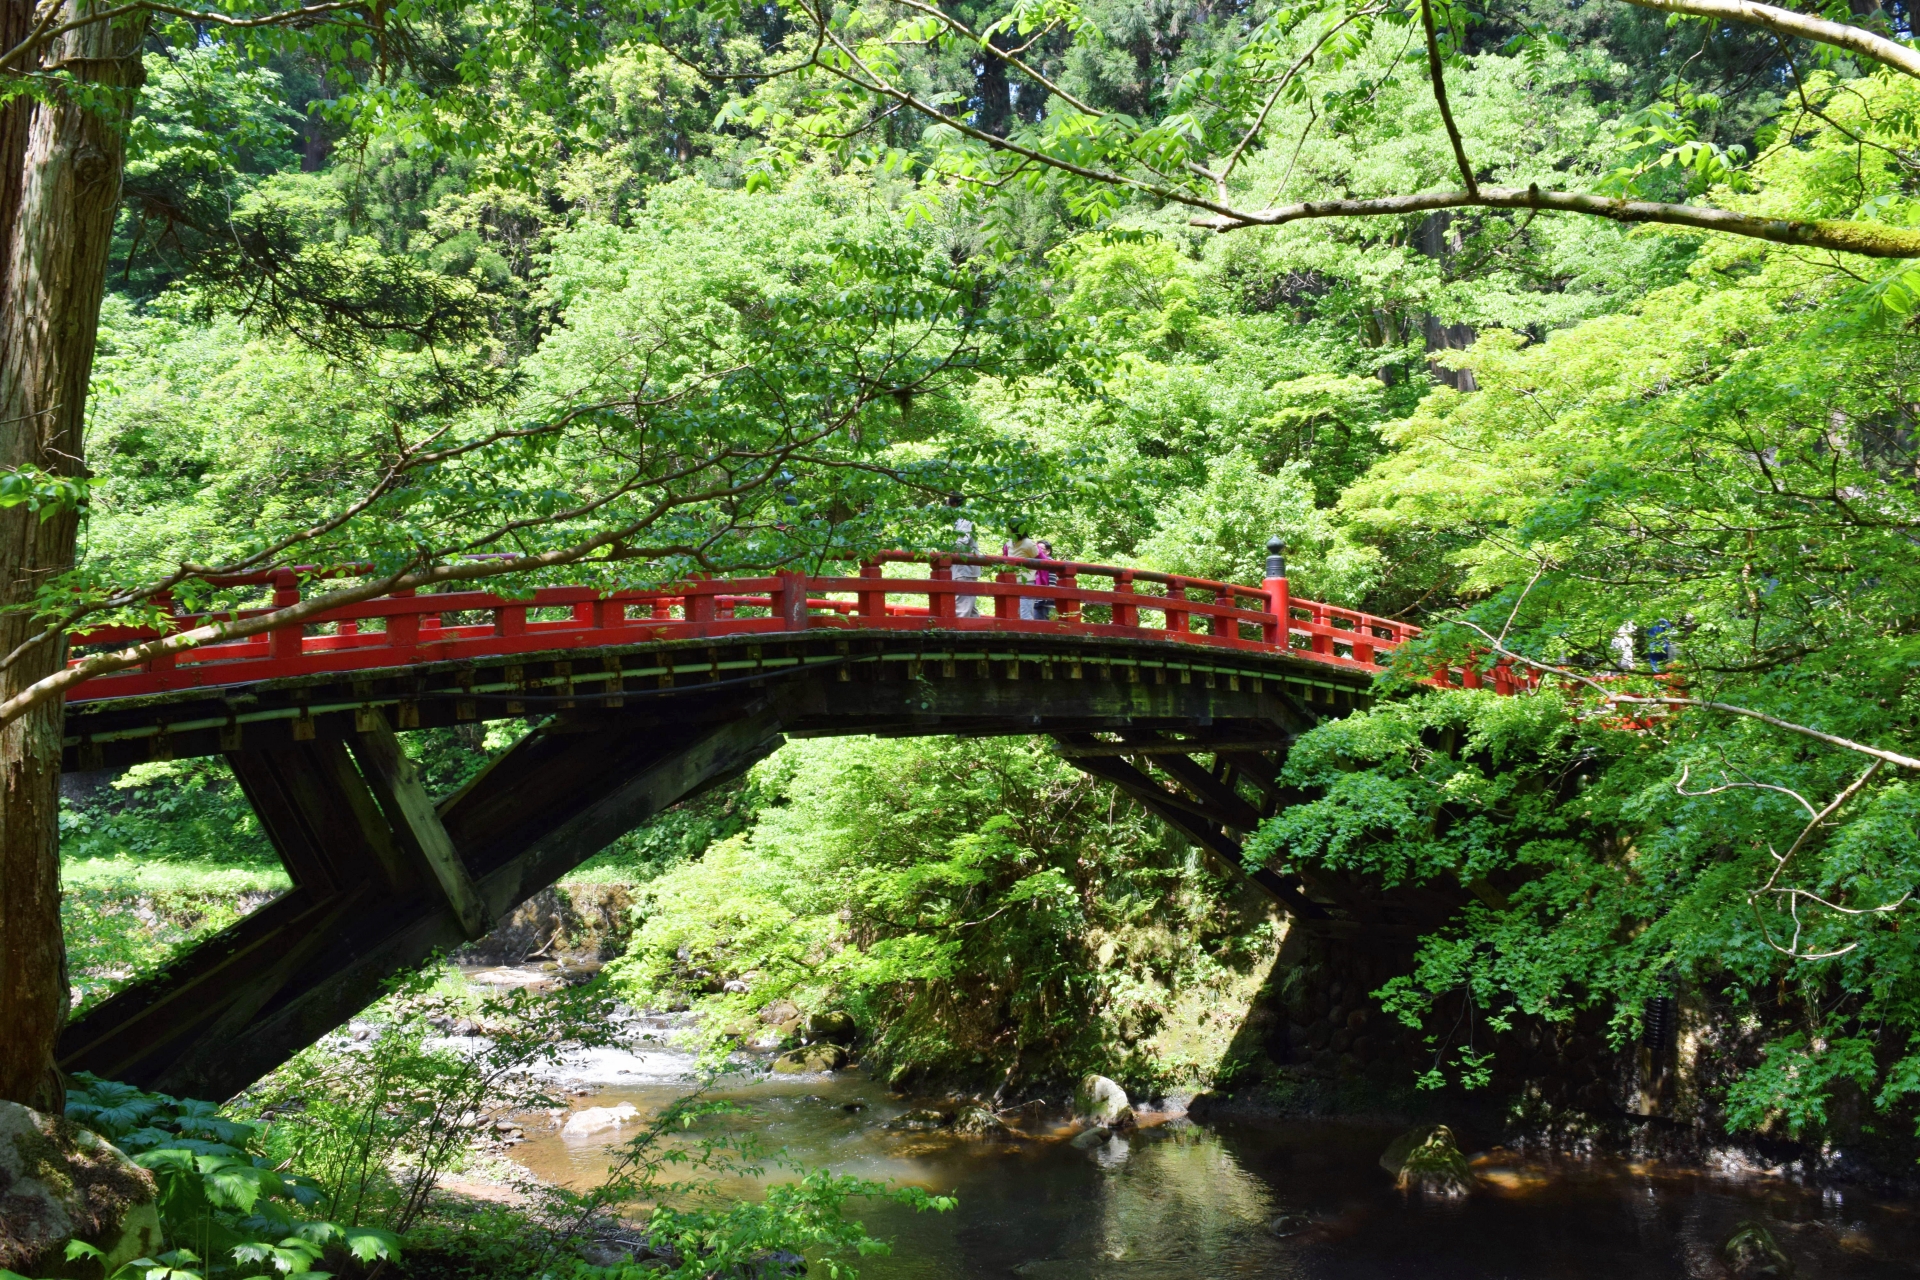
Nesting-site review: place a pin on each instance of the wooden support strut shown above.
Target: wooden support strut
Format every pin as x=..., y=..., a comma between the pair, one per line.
x=395, y=781
x=1227, y=807
x=1184, y=817
x=242, y=1002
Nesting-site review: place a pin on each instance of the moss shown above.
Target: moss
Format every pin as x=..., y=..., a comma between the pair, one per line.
x=60, y=1182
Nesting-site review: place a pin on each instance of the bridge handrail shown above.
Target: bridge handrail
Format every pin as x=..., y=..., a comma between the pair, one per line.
x=414, y=628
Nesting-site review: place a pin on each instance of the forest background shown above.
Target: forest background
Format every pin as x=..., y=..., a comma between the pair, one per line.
x=1602, y=447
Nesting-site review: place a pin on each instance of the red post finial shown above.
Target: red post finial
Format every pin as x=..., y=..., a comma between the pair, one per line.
x=1279, y=599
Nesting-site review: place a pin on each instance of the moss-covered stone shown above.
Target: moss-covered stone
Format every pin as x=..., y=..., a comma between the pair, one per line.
x=1752, y=1253
x=59, y=1182
x=810, y=1059
x=1426, y=1158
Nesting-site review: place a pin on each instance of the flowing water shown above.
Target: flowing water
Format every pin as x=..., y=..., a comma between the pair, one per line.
x=1181, y=1201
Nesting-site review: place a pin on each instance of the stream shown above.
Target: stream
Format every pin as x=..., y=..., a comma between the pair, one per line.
x=1181, y=1200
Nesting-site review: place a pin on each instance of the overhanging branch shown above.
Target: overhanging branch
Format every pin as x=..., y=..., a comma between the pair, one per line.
x=1869, y=239
x=1841, y=35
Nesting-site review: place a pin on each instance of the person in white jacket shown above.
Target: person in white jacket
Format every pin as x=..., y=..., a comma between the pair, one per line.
x=967, y=544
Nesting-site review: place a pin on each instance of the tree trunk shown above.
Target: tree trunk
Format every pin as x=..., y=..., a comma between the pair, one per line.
x=58, y=197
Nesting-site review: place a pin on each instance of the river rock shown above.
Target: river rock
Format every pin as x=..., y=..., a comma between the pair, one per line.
x=1102, y=1101
x=59, y=1182
x=1288, y=1224
x=595, y=1119
x=1426, y=1158
x=810, y=1059
x=921, y=1121
x=1087, y=1139
x=1753, y=1254
x=978, y=1122
x=833, y=1028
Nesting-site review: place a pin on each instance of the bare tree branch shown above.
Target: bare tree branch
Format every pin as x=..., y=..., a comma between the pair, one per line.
x=1869, y=239
x=1841, y=35
x=1436, y=69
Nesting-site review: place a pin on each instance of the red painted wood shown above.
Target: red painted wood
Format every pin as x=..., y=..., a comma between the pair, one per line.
x=405, y=629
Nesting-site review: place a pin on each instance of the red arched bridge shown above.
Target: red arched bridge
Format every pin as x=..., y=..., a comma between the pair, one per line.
x=1183, y=692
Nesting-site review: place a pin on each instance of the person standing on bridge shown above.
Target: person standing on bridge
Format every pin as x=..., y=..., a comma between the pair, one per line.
x=967, y=545
x=1043, y=608
x=1023, y=545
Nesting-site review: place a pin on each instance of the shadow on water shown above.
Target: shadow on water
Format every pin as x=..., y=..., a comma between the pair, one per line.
x=1182, y=1202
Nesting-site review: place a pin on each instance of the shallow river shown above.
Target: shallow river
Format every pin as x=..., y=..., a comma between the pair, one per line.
x=1180, y=1201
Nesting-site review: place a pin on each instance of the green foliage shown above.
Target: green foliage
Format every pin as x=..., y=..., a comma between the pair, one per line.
x=375, y=1122
x=548, y=288
x=1718, y=486
x=984, y=912
x=227, y=1209
x=166, y=811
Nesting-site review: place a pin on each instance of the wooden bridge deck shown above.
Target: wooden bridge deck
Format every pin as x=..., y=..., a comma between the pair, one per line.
x=645, y=699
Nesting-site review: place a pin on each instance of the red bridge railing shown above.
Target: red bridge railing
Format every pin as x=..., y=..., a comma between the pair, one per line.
x=404, y=629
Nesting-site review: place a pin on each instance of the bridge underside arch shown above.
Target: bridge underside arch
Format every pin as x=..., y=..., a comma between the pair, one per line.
x=384, y=876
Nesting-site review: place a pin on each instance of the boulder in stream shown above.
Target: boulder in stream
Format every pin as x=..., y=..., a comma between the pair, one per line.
x=1103, y=1102
x=978, y=1121
x=59, y=1182
x=810, y=1059
x=1426, y=1158
x=923, y=1120
x=833, y=1028
x=1752, y=1253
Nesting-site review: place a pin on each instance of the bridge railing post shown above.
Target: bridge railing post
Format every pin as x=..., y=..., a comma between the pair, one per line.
x=790, y=601
x=403, y=629
x=284, y=642
x=873, y=604
x=1006, y=606
x=1279, y=598
x=940, y=598
x=699, y=606
x=1069, y=609
x=165, y=661
x=1125, y=615
x=1176, y=619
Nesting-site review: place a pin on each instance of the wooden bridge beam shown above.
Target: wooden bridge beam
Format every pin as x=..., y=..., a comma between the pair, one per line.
x=242, y=1002
x=395, y=782
x=1191, y=820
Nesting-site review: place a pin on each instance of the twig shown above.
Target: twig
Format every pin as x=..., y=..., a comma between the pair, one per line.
x=1434, y=68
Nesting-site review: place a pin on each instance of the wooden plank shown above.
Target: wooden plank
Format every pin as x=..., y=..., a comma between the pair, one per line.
x=395, y=783
x=281, y=818
x=718, y=750
x=1181, y=747
x=204, y=1056
x=320, y=816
